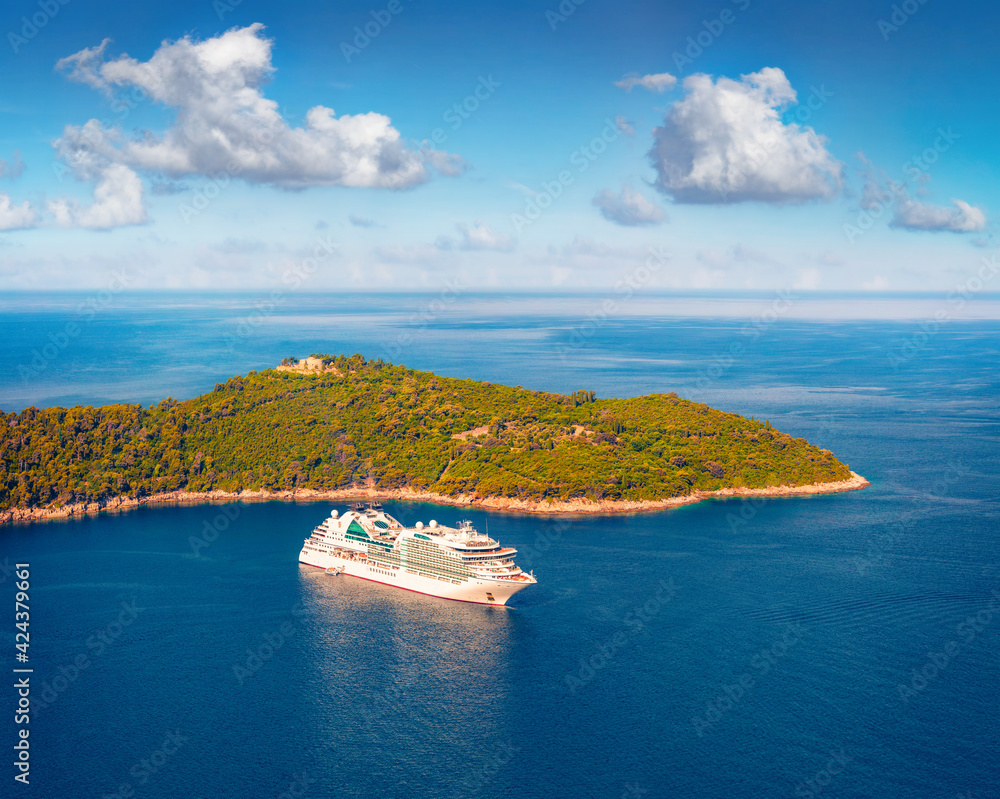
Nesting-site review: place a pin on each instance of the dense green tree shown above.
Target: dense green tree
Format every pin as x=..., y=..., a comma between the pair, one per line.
x=371, y=423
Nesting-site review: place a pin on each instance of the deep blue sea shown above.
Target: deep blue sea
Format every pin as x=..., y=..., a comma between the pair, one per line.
x=839, y=646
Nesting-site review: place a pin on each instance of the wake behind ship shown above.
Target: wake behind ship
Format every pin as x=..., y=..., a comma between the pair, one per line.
x=455, y=563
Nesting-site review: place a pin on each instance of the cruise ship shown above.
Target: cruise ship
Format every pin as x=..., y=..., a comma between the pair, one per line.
x=451, y=562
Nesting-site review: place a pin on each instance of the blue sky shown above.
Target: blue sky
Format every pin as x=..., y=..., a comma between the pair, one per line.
x=750, y=144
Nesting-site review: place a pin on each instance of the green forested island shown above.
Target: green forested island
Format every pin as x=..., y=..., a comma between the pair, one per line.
x=332, y=423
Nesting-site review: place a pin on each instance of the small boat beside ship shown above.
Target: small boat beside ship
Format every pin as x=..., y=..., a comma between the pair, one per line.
x=458, y=563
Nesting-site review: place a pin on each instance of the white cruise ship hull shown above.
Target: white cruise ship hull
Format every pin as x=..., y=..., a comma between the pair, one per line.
x=483, y=592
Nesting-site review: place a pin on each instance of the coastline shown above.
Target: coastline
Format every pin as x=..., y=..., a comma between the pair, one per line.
x=569, y=507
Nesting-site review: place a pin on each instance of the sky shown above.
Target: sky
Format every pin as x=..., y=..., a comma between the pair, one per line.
x=575, y=145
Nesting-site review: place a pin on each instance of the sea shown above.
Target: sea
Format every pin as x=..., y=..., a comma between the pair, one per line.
x=841, y=645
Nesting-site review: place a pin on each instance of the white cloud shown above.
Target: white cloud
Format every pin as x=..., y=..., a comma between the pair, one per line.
x=877, y=283
x=361, y=221
x=624, y=125
x=830, y=259
x=481, y=237
x=224, y=122
x=745, y=254
x=558, y=275
x=655, y=83
x=13, y=168
x=118, y=200
x=630, y=208
x=16, y=217
x=714, y=259
x=914, y=215
x=736, y=257
x=808, y=279
x=880, y=191
x=724, y=142
x=525, y=190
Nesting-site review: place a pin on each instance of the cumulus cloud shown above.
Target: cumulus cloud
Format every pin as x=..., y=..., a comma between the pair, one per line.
x=654, y=83
x=481, y=236
x=361, y=221
x=915, y=215
x=16, y=217
x=118, y=200
x=630, y=208
x=724, y=142
x=224, y=123
x=879, y=192
x=13, y=168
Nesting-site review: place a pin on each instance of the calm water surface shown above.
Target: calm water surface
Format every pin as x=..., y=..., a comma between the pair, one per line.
x=723, y=649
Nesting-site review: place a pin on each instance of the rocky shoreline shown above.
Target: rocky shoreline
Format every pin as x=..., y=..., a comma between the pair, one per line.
x=576, y=506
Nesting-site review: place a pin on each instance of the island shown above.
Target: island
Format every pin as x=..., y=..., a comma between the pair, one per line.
x=337, y=427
